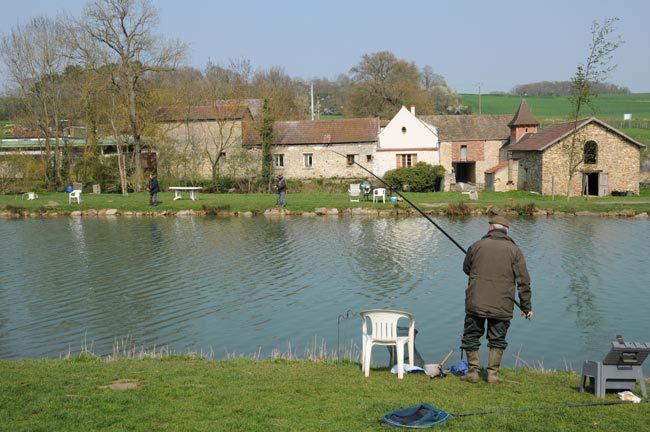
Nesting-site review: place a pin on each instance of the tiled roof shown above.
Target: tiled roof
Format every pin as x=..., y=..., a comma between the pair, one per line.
x=201, y=112
x=551, y=134
x=326, y=131
x=470, y=127
x=523, y=116
x=501, y=165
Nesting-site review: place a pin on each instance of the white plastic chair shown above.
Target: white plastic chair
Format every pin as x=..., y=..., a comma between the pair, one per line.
x=30, y=196
x=74, y=195
x=354, y=192
x=379, y=193
x=383, y=331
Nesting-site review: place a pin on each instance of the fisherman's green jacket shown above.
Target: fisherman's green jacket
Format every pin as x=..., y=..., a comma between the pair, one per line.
x=496, y=268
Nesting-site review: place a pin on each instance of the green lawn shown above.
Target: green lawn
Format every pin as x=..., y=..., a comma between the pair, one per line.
x=307, y=202
x=279, y=395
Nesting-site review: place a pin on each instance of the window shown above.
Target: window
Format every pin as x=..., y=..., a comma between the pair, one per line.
x=463, y=153
x=308, y=159
x=351, y=159
x=591, y=152
x=368, y=158
x=278, y=161
x=403, y=129
x=406, y=160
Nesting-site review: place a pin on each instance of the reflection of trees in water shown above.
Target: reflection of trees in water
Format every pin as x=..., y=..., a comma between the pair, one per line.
x=392, y=254
x=577, y=249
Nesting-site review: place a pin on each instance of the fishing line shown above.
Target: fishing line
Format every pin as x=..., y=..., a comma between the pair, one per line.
x=426, y=216
x=543, y=407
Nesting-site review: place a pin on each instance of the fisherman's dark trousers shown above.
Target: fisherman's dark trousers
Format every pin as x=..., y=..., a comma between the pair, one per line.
x=475, y=327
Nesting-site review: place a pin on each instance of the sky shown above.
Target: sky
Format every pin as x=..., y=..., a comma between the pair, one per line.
x=476, y=45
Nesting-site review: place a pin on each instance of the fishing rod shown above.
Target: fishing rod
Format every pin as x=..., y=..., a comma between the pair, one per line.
x=426, y=216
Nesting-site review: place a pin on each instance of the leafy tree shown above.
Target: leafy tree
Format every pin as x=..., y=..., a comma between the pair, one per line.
x=381, y=84
x=595, y=68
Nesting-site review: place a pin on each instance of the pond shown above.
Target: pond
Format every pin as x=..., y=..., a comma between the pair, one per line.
x=247, y=286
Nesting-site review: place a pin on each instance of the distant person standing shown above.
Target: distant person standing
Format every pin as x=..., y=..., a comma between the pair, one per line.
x=154, y=188
x=281, y=187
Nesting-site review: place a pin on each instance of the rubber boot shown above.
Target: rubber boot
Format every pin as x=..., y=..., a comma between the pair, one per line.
x=474, y=362
x=494, y=362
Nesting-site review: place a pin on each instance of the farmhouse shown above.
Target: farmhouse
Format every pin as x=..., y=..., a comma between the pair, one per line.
x=606, y=160
x=495, y=152
x=306, y=149
x=204, y=141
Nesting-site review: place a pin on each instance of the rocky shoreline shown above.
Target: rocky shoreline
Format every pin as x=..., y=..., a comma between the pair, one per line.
x=280, y=213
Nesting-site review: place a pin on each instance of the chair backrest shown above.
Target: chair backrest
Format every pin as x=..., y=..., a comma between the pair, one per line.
x=75, y=193
x=355, y=189
x=379, y=192
x=384, y=323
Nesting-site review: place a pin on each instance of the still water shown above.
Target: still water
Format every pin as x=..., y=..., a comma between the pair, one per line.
x=243, y=286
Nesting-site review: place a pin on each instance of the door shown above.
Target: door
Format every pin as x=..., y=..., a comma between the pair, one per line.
x=603, y=184
x=489, y=182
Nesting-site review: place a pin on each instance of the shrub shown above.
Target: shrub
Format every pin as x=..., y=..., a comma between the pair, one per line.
x=458, y=209
x=419, y=178
x=521, y=209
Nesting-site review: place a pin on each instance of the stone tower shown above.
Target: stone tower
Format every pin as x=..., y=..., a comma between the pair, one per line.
x=524, y=122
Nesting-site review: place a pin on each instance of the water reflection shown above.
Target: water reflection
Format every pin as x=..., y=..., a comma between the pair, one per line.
x=580, y=265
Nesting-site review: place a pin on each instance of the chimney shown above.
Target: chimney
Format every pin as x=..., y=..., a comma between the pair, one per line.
x=413, y=109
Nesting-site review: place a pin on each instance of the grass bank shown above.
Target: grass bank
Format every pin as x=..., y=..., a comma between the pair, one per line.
x=181, y=394
x=517, y=202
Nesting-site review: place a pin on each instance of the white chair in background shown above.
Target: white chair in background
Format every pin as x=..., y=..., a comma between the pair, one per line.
x=30, y=196
x=354, y=192
x=379, y=327
x=379, y=193
x=74, y=195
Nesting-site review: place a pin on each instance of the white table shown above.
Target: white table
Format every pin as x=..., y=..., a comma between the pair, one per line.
x=193, y=190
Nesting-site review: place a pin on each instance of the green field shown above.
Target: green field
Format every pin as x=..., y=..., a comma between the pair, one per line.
x=610, y=107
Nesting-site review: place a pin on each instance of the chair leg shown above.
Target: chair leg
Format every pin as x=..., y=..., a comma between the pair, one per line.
x=641, y=380
x=400, y=360
x=363, y=354
x=366, y=363
x=411, y=348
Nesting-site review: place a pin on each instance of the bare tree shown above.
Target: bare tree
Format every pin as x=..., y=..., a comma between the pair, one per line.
x=124, y=29
x=34, y=59
x=594, y=70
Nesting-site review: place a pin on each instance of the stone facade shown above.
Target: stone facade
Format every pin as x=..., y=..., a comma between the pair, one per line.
x=193, y=145
x=528, y=171
x=546, y=171
x=324, y=162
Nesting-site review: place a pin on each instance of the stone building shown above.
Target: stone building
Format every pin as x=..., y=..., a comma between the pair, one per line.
x=205, y=138
x=469, y=145
x=495, y=152
x=325, y=149
x=606, y=160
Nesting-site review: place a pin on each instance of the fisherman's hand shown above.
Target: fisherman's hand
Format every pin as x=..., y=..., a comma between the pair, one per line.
x=528, y=315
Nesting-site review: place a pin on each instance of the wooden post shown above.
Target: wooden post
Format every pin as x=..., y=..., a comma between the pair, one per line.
x=553, y=188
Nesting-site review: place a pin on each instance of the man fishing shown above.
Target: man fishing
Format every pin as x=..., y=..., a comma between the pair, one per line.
x=495, y=266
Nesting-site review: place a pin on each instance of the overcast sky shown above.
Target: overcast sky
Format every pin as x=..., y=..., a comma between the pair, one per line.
x=497, y=43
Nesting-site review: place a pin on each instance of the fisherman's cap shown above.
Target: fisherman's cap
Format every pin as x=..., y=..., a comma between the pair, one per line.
x=499, y=220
